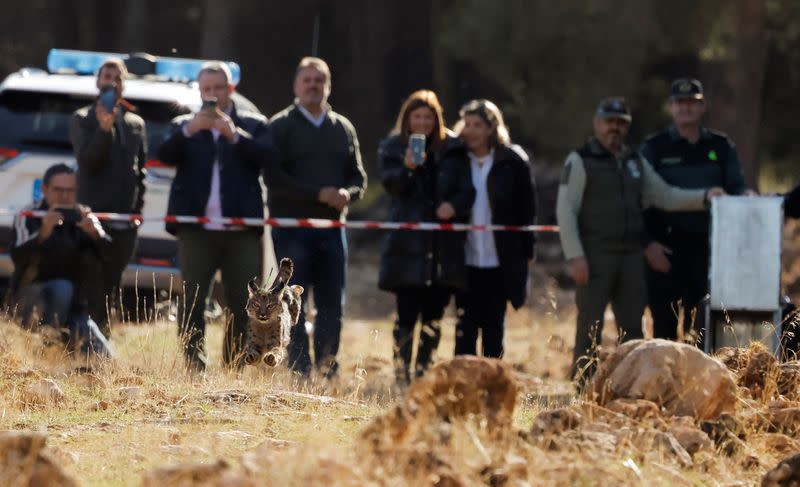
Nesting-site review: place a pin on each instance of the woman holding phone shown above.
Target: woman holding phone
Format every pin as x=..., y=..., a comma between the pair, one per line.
x=497, y=262
x=426, y=171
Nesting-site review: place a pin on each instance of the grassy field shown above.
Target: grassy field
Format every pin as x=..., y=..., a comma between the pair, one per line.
x=143, y=410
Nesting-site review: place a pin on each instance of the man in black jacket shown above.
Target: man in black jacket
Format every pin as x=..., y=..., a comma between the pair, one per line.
x=111, y=149
x=686, y=155
x=318, y=174
x=219, y=154
x=55, y=259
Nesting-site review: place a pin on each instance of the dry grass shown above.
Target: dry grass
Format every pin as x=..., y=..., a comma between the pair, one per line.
x=143, y=411
x=109, y=435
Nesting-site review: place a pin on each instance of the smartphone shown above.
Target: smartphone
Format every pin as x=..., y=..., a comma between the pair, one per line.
x=417, y=144
x=209, y=104
x=71, y=216
x=108, y=97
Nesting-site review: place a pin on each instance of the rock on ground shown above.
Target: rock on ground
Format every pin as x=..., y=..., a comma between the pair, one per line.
x=679, y=378
x=458, y=389
x=217, y=474
x=784, y=474
x=42, y=392
x=24, y=464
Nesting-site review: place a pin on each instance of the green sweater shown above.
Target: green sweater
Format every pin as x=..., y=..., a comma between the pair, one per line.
x=310, y=158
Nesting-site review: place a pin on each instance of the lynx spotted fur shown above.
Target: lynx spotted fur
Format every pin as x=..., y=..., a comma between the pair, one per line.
x=271, y=313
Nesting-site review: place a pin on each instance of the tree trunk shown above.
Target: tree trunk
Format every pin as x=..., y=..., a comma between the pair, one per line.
x=736, y=105
x=87, y=22
x=748, y=81
x=217, y=30
x=133, y=33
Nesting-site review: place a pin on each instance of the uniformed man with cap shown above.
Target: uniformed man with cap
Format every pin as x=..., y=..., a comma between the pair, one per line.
x=686, y=155
x=604, y=187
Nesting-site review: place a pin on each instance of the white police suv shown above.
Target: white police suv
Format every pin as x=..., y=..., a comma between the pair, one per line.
x=35, y=111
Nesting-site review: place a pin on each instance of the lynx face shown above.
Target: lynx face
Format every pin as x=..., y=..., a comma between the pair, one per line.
x=264, y=306
x=271, y=314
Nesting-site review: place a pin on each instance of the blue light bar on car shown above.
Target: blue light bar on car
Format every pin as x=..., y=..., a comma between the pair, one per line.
x=88, y=62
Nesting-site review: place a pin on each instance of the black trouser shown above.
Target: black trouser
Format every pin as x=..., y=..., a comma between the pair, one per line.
x=115, y=258
x=481, y=307
x=238, y=255
x=427, y=304
x=686, y=281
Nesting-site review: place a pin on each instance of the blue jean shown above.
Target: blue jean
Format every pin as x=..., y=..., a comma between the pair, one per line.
x=53, y=298
x=320, y=259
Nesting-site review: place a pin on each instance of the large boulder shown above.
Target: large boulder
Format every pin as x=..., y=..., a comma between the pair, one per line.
x=679, y=378
x=23, y=462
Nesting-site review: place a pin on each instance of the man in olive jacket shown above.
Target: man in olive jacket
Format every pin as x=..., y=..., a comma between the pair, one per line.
x=219, y=154
x=604, y=187
x=111, y=149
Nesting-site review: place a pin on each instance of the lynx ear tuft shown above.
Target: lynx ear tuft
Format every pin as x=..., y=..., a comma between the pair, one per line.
x=253, y=286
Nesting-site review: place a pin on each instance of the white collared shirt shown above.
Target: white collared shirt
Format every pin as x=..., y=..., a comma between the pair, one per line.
x=316, y=121
x=214, y=204
x=480, y=247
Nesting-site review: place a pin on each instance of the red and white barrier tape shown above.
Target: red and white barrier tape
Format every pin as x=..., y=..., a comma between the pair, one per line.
x=305, y=222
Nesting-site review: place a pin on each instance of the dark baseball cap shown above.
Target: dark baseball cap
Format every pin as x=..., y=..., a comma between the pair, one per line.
x=683, y=88
x=613, y=107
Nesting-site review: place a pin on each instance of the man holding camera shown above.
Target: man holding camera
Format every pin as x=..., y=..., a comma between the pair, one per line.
x=219, y=154
x=318, y=174
x=110, y=145
x=55, y=259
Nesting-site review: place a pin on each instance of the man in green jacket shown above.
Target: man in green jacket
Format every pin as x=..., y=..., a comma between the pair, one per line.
x=111, y=149
x=604, y=186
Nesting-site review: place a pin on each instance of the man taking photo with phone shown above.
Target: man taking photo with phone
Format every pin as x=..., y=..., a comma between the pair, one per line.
x=110, y=145
x=56, y=257
x=219, y=154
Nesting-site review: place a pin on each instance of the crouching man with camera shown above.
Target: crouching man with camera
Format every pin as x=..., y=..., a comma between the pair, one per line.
x=57, y=263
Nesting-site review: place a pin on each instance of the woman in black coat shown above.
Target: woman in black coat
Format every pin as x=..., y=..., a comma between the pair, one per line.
x=423, y=268
x=497, y=262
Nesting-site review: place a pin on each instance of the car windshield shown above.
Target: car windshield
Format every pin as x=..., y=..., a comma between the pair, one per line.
x=39, y=120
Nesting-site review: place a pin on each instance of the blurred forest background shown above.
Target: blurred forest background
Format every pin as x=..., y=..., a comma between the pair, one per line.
x=545, y=63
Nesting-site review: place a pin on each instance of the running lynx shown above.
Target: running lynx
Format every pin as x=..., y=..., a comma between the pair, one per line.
x=271, y=313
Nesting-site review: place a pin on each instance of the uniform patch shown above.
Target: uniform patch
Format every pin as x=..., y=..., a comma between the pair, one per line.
x=712, y=155
x=670, y=161
x=565, y=173
x=633, y=168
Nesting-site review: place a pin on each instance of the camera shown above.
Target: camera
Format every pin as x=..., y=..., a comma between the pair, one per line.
x=209, y=104
x=70, y=216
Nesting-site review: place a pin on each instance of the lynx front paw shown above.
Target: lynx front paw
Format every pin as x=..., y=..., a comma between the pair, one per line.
x=270, y=360
x=251, y=358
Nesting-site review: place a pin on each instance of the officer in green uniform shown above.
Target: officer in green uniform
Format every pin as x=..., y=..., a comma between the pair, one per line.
x=604, y=187
x=686, y=155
